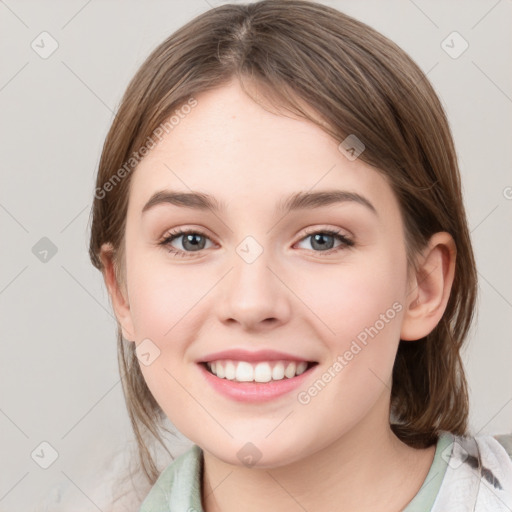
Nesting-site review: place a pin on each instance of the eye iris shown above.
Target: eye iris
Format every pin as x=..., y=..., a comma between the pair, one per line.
x=321, y=236
x=192, y=238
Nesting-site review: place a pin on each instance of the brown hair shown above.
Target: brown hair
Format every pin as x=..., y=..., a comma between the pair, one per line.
x=352, y=80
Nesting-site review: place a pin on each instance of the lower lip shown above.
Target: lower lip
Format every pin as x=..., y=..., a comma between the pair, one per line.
x=254, y=391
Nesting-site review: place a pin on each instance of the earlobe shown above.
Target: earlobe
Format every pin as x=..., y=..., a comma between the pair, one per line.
x=118, y=298
x=429, y=290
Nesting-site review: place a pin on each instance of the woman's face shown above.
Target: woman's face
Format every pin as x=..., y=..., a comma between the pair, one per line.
x=271, y=285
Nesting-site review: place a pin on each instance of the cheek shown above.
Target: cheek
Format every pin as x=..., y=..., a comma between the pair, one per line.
x=352, y=296
x=164, y=307
x=162, y=296
x=362, y=306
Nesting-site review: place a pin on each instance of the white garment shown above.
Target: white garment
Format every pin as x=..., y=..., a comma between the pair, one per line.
x=478, y=476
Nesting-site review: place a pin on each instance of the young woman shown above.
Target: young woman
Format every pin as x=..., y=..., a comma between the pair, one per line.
x=279, y=221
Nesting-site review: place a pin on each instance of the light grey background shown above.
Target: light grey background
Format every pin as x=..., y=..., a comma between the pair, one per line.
x=59, y=376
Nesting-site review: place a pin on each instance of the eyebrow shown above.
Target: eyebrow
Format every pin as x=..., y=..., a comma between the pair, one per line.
x=297, y=201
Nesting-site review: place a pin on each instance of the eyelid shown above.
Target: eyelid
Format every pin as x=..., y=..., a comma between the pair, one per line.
x=325, y=229
x=347, y=241
x=185, y=230
x=176, y=233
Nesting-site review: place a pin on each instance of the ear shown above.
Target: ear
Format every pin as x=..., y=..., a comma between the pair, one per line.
x=429, y=287
x=118, y=297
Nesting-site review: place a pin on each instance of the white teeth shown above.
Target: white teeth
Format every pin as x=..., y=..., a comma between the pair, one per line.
x=230, y=370
x=290, y=370
x=243, y=371
x=262, y=372
x=221, y=372
x=278, y=371
x=301, y=367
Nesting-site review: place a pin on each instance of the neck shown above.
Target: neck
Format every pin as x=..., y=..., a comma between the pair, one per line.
x=368, y=468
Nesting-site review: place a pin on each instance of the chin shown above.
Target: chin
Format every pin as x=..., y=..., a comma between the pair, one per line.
x=264, y=454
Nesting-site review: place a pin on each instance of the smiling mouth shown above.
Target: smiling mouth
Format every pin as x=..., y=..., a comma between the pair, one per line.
x=261, y=372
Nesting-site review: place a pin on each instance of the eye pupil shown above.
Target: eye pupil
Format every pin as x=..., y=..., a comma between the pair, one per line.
x=192, y=241
x=192, y=238
x=322, y=244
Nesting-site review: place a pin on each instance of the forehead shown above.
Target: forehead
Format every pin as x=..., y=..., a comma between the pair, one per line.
x=231, y=147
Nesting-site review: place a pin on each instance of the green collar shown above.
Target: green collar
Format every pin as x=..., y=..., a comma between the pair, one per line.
x=178, y=487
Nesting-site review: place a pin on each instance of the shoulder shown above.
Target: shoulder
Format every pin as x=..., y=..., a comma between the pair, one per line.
x=179, y=485
x=506, y=441
x=489, y=456
x=478, y=474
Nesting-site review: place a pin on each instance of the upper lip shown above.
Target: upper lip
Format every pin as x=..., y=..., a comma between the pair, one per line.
x=246, y=355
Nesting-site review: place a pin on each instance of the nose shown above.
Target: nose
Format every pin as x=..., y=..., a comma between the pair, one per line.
x=254, y=294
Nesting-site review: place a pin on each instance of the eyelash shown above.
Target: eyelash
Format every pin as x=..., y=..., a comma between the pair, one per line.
x=173, y=235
